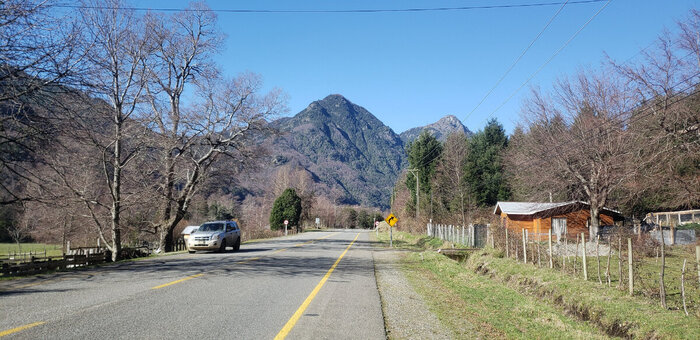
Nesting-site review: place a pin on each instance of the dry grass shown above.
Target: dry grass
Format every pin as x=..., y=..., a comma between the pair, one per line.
x=514, y=299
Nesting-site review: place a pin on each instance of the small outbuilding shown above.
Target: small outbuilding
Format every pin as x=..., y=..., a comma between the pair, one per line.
x=563, y=218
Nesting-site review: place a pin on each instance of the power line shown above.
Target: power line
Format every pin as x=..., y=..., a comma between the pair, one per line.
x=365, y=10
x=643, y=110
x=640, y=114
x=542, y=66
x=516, y=61
x=548, y=60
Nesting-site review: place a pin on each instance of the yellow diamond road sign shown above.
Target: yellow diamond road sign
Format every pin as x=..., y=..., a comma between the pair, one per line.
x=391, y=219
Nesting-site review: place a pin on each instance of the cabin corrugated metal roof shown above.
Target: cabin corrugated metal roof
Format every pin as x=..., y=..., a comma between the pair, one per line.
x=532, y=208
x=528, y=208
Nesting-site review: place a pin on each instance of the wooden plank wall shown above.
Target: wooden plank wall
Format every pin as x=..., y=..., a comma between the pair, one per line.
x=575, y=222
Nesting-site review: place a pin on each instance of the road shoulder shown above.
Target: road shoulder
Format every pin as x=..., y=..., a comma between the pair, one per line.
x=406, y=315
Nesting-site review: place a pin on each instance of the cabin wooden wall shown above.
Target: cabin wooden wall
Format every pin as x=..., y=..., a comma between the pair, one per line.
x=516, y=223
x=575, y=222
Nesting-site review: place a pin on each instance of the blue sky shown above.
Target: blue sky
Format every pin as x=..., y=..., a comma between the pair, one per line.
x=411, y=68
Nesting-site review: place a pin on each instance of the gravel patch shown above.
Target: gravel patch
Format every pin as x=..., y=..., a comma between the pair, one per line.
x=570, y=249
x=406, y=315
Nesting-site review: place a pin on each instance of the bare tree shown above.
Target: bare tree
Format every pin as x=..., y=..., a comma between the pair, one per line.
x=666, y=127
x=577, y=137
x=36, y=53
x=452, y=191
x=20, y=228
x=96, y=176
x=220, y=120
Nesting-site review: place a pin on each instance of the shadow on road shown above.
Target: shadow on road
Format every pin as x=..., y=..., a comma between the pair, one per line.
x=252, y=260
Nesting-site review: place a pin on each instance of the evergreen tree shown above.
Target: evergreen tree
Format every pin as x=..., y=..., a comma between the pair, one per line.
x=349, y=218
x=286, y=207
x=422, y=155
x=484, y=165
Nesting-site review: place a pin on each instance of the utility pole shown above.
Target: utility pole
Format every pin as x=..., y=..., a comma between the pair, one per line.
x=415, y=174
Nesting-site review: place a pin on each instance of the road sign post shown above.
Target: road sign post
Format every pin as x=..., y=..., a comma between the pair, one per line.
x=285, y=227
x=391, y=237
x=391, y=219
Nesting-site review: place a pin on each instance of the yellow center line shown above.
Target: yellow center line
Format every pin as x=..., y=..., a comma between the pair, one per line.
x=242, y=261
x=312, y=241
x=178, y=281
x=293, y=320
x=20, y=328
x=33, y=284
x=250, y=259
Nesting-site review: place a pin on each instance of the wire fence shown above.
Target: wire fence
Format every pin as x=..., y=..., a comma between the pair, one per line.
x=638, y=263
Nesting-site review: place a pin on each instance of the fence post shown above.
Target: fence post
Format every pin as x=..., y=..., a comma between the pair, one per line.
x=565, y=255
x=697, y=260
x=463, y=241
x=585, y=265
x=507, y=247
x=607, y=267
x=630, y=273
x=683, y=288
x=597, y=256
x=524, y=247
x=662, y=288
x=578, y=237
x=619, y=261
x=551, y=261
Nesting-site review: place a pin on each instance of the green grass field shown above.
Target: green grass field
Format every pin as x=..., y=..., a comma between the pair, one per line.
x=12, y=248
x=495, y=296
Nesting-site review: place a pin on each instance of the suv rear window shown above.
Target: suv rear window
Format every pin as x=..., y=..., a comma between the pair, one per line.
x=211, y=227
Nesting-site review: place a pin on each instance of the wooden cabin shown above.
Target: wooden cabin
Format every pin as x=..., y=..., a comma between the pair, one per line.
x=564, y=218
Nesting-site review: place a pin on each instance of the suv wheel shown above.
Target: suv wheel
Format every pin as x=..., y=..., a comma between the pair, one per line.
x=237, y=245
x=223, y=246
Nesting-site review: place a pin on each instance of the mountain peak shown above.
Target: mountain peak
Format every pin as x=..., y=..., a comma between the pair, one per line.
x=449, y=119
x=440, y=129
x=335, y=96
x=350, y=152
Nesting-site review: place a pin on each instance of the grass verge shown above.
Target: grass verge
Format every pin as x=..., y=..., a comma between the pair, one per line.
x=13, y=248
x=501, y=297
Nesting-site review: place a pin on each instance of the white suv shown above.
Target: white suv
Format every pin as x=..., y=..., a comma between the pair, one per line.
x=216, y=235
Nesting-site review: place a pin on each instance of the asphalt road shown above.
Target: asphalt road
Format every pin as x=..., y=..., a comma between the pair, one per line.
x=279, y=287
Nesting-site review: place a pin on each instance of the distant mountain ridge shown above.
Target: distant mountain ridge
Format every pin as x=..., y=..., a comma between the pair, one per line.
x=440, y=129
x=349, y=154
x=343, y=146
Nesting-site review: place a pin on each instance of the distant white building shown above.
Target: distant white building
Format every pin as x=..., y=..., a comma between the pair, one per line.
x=673, y=218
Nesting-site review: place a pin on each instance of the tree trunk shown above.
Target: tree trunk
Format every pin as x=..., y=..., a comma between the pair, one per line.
x=169, y=184
x=595, y=220
x=165, y=241
x=116, y=190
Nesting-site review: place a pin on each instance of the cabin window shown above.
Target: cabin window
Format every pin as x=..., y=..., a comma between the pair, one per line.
x=662, y=220
x=559, y=227
x=685, y=218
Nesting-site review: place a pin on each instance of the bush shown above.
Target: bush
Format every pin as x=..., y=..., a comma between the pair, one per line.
x=689, y=226
x=286, y=207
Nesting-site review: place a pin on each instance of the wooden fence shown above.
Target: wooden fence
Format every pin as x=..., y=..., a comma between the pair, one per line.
x=35, y=265
x=473, y=235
